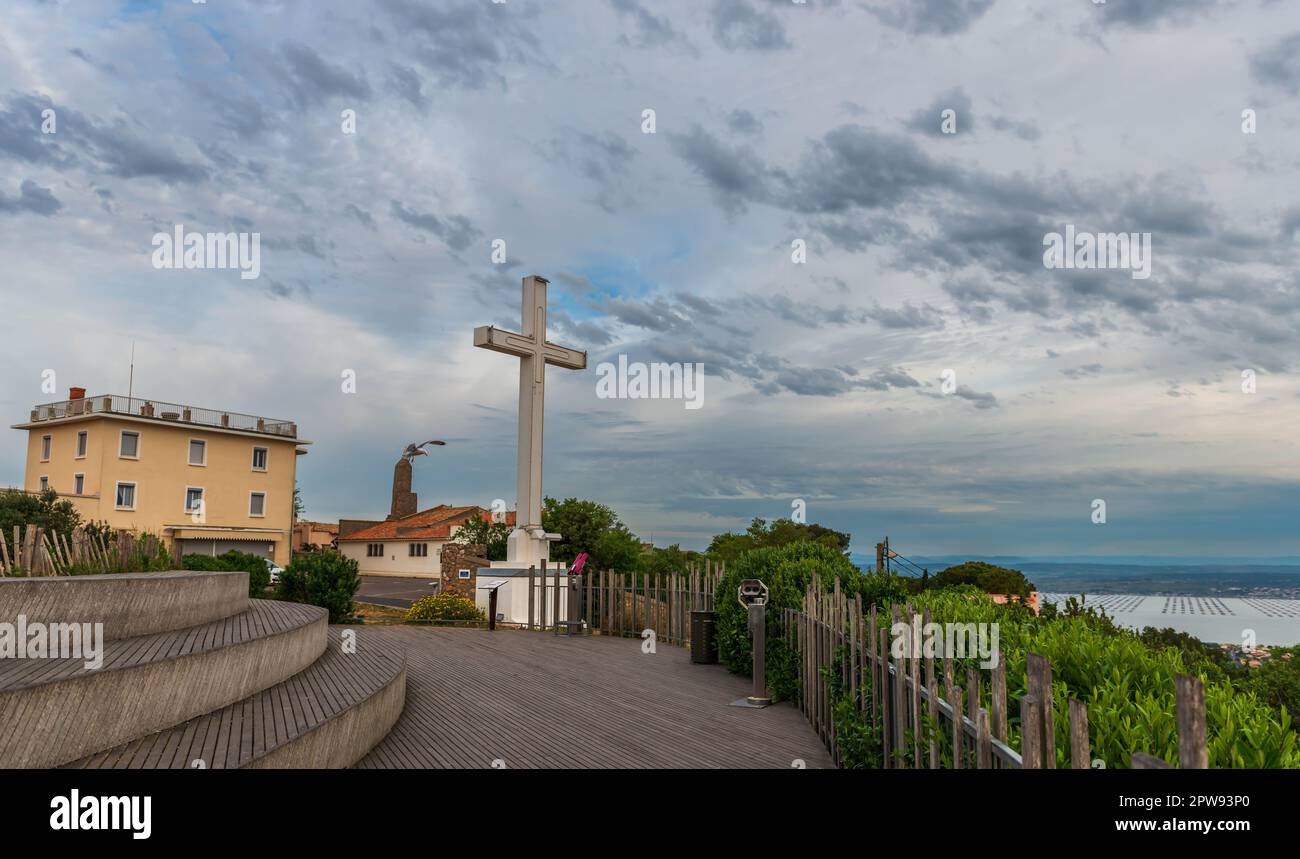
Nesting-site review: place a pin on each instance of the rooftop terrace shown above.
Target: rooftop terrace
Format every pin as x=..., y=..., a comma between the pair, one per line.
x=161, y=411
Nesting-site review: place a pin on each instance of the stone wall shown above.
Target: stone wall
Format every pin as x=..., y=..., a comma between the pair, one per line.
x=460, y=556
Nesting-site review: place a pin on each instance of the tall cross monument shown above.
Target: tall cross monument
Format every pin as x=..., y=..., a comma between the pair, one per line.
x=528, y=543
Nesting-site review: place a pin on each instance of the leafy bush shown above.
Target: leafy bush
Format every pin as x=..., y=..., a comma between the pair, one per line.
x=326, y=579
x=446, y=608
x=788, y=572
x=259, y=577
x=1127, y=685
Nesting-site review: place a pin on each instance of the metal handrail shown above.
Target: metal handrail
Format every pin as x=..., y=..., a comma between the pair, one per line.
x=157, y=409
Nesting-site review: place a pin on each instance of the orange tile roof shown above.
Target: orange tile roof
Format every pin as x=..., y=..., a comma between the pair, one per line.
x=435, y=523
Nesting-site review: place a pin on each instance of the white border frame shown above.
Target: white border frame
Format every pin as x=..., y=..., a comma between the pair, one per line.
x=252, y=463
x=203, y=498
x=139, y=442
x=80, y=435
x=189, y=444
x=82, y=475
x=135, y=495
x=47, y=440
x=265, y=495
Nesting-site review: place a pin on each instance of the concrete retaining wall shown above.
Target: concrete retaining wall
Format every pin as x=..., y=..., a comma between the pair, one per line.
x=63, y=721
x=128, y=604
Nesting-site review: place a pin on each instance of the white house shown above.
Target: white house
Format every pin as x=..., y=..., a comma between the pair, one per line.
x=410, y=546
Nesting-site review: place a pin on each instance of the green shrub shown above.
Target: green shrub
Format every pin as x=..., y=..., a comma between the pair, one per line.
x=788, y=572
x=446, y=608
x=326, y=579
x=259, y=576
x=1127, y=685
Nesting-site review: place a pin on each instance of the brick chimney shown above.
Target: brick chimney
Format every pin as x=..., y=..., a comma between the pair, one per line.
x=76, y=393
x=404, y=500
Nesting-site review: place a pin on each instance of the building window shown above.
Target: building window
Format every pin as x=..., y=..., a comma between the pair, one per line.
x=45, y=448
x=129, y=446
x=259, y=458
x=198, y=452
x=374, y=550
x=81, y=444
x=193, y=499
x=45, y=483
x=257, y=504
x=125, y=499
x=78, y=484
x=418, y=550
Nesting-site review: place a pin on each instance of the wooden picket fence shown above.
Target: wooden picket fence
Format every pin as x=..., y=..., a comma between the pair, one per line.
x=628, y=604
x=919, y=710
x=33, y=551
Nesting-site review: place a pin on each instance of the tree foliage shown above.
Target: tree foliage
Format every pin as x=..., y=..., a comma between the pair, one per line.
x=493, y=536
x=782, y=532
x=989, y=578
x=587, y=526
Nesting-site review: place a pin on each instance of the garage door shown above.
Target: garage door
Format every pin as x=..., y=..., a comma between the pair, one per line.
x=264, y=548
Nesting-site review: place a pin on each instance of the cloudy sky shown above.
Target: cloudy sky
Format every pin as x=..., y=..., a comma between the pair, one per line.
x=774, y=122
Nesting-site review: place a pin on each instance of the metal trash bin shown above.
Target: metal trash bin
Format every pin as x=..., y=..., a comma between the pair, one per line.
x=704, y=637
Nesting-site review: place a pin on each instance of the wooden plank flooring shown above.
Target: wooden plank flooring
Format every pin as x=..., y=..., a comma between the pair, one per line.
x=235, y=735
x=535, y=700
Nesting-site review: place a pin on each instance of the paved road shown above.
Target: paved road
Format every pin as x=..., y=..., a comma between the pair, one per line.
x=394, y=591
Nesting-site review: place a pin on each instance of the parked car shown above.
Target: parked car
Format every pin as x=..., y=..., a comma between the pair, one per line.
x=274, y=571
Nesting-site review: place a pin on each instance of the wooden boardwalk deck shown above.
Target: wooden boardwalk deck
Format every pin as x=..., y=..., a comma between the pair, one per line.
x=534, y=700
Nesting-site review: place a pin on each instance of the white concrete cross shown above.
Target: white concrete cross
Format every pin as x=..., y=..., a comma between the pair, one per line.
x=528, y=544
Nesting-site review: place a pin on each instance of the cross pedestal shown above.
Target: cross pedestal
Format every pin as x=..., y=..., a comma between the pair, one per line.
x=528, y=544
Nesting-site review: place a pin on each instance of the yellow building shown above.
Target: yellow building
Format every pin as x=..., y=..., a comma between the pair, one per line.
x=206, y=481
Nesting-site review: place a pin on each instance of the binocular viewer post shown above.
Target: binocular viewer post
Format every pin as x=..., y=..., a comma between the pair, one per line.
x=752, y=596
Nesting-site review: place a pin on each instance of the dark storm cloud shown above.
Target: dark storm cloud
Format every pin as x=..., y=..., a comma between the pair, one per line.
x=362, y=216
x=1279, y=64
x=1144, y=14
x=457, y=231
x=586, y=331
x=312, y=80
x=657, y=315
x=31, y=198
x=744, y=122
x=929, y=120
x=735, y=174
x=740, y=25
x=20, y=132
x=651, y=30
x=113, y=148
x=464, y=43
x=930, y=17
x=1082, y=372
x=907, y=316
x=404, y=82
x=603, y=157
x=802, y=313
x=976, y=398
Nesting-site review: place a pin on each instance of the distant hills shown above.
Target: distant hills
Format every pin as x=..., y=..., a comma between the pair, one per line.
x=938, y=562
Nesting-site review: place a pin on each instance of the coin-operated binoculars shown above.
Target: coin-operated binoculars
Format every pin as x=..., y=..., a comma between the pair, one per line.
x=752, y=596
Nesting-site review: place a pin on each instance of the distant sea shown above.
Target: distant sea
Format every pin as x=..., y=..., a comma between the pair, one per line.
x=1279, y=579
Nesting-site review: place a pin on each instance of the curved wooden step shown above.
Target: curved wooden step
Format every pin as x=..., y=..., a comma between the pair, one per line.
x=328, y=716
x=127, y=604
x=56, y=710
